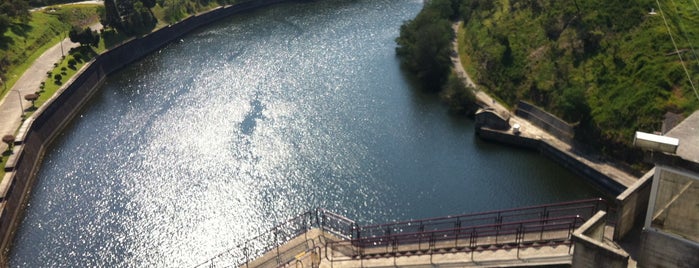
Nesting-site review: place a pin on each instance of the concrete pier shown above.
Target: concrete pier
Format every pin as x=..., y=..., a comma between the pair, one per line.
x=529, y=236
x=601, y=173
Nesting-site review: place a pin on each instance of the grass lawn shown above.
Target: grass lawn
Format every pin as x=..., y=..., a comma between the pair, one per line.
x=22, y=44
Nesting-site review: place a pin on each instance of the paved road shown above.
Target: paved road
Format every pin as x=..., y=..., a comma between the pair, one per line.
x=13, y=104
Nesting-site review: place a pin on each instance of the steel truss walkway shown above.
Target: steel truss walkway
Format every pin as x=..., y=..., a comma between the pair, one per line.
x=319, y=238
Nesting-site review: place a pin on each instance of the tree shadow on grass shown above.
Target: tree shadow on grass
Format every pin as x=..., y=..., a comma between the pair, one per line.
x=113, y=38
x=5, y=42
x=86, y=53
x=20, y=29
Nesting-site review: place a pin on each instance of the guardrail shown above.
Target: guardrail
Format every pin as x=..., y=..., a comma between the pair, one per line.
x=492, y=230
x=273, y=239
x=523, y=234
x=584, y=208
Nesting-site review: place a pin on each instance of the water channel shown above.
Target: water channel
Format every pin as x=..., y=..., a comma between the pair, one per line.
x=258, y=118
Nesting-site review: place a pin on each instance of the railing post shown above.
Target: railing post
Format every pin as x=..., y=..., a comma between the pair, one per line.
x=519, y=238
x=276, y=242
x=245, y=252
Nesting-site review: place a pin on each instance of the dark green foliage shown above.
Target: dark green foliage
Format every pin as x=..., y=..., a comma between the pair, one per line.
x=602, y=64
x=86, y=36
x=15, y=9
x=4, y=23
x=459, y=97
x=41, y=3
x=129, y=16
x=148, y=3
x=425, y=42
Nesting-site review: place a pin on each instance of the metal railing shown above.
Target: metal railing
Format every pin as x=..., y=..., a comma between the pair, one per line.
x=583, y=208
x=529, y=233
x=273, y=239
x=492, y=230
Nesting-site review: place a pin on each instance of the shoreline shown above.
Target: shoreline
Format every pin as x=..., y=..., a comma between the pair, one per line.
x=601, y=174
x=38, y=131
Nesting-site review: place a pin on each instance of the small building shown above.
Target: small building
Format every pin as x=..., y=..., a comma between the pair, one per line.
x=490, y=118
x=670, y=236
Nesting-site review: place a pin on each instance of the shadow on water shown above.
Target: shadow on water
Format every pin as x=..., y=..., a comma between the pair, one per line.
x=247, y=126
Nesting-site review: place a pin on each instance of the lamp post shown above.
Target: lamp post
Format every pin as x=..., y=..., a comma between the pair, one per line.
x=21, y=107
x=62, y=55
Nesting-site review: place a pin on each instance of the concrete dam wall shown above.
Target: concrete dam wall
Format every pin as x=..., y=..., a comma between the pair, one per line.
x=38, y=132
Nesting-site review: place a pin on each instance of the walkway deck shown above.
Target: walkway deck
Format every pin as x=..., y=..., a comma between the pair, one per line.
x=539, y=235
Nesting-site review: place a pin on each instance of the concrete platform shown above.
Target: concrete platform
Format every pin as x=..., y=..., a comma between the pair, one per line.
x=313, y=250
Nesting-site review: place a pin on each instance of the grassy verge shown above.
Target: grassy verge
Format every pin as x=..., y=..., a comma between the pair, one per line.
x=22, y=44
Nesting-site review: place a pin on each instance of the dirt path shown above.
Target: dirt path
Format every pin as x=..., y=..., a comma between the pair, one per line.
x=481, y=96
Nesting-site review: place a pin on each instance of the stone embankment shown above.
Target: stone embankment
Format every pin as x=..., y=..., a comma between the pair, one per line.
x=38, y=131
x=603, y=174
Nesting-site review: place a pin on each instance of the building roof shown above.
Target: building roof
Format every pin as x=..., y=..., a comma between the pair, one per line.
x=688, y=134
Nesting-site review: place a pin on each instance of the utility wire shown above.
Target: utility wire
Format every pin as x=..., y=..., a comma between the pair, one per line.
x=684, y=33
x=676, y=50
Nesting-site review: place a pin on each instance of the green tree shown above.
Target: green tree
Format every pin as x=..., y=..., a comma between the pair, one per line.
x=86, y=36
x=458, y=96
x=129, y=16
x=16, y=9
x=424, y=45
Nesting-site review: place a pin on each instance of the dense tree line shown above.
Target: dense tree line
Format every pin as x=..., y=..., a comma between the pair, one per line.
x=606, y=66
x=425, y=42
x=129, y=16
x=86, y=36
x=41, y=3
x=13, y=10
x=425, y=45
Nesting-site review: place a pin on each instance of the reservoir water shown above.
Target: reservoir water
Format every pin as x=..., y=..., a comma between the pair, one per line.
x=253, y=120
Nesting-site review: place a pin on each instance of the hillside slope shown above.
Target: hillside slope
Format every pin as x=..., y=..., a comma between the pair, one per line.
x=608, y=66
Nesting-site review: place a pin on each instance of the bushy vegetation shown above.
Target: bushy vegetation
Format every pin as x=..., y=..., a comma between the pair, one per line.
x=425, y=42
x=129, y=16
x=609, y=66
x=424, y=46
x=26, y=38
x=85, y=36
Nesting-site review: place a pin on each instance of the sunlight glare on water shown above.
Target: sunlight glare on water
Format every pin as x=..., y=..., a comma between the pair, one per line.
x=253, y=120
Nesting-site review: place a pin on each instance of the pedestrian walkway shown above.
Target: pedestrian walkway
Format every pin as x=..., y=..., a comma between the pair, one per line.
x=531, y=131
x=536, y=235
x=13, y=106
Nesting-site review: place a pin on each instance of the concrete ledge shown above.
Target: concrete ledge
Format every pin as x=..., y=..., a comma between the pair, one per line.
x=562, y=157
x=632, y=204
x=590, y=249
x=5, y=185
x=13, y=160
x=664, y=250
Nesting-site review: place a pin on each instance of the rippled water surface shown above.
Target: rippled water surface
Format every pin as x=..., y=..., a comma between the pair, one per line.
x=253, y=120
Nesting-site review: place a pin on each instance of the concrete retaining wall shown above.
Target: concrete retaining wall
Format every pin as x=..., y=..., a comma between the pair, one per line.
x=546, y=121
x=37, y=132
x=590, y=249
x=661, y=250
x=567, y=160
x=632, y=204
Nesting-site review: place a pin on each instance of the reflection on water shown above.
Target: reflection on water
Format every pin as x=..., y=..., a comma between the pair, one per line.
x=256, y=119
